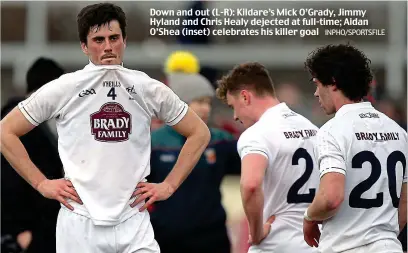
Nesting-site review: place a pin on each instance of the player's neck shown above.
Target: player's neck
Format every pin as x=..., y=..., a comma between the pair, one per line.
x=263, y=104
x=340, y=101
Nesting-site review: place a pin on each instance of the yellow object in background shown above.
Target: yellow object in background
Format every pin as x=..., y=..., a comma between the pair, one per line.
x=182, y=62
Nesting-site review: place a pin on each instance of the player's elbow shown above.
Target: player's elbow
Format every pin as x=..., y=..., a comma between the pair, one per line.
x=249, y=187
x=200, y=135
x=334, y=199
x=204, y=135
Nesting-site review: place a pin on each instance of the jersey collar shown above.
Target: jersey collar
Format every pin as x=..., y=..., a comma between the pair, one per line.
x=352, y=107
x=92, y=65
x=275, y=109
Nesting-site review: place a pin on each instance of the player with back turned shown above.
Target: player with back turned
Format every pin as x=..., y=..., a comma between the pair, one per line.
x=361, y=154
x=103, y=114
x=278, y=179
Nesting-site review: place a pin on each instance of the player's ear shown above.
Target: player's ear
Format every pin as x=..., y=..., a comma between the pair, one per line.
x=124, y=42
x=84, y=48
x=245, y=96
x=333, y=86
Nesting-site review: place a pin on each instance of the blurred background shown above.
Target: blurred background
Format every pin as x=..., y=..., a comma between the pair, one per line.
x=33, y=29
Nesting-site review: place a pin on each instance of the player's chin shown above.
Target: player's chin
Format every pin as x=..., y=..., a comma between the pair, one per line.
x=246, y=124
x=110, y=61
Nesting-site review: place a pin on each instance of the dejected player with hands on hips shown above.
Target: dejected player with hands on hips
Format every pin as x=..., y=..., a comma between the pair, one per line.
x=278, y=179
x=103, y=114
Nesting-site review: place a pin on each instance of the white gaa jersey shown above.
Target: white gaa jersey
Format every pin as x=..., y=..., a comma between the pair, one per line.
x=103, y=116
x=286, y=139
x=370, y=149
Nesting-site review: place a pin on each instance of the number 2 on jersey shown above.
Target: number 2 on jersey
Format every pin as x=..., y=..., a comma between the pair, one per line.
x=112, y=93
x=293, y=193
x=355, y=200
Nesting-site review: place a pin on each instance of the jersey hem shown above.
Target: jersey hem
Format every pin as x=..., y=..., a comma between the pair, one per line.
x=27, y=115
x=179, y=117
x=101, y=222
x=260, y=152
x=330, y=170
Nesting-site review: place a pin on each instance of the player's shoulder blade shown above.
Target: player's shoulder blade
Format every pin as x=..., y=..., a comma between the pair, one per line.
x=289, y=116
x=330, y=124
x=248, y=133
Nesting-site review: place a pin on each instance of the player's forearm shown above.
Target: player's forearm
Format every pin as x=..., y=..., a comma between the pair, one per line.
x=322, y=208
x=189, y=155
x=402, y=208
x=15, y=153
x=253, y=202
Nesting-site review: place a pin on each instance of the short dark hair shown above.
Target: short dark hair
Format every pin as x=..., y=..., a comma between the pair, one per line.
x=42, y=71
x=97, y=15
x=252, y=75
x=344, y=66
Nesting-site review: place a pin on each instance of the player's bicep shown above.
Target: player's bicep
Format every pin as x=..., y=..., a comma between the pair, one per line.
x=329, y=155
x=253, y=167
x=254, y=158
x=190, y=124
x=332, y=188
x=16, y=123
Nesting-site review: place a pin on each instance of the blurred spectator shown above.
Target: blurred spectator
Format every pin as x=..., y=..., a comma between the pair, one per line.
x=392, y=110
x=193, y=219
x=28, y=219
x=289, y=93
x=293, y=97
x=228, y=124
x=156, y=124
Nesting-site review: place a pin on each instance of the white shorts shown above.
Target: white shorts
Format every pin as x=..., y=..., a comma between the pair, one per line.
x=77, y=234
x=381, y=246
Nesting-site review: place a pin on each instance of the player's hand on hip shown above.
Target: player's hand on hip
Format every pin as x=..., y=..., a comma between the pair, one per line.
x=266, y=231
x=311, y=233
x=61, y=190
x=155, y=192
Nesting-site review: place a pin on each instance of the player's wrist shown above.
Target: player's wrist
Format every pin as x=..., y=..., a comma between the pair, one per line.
x=39, y=184
x=170, y=188
x=306, y=216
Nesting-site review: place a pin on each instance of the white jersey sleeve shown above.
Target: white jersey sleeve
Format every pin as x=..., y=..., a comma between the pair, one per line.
x=251, y=144
x=328, y=154
x=164, y=103
x=47, y=101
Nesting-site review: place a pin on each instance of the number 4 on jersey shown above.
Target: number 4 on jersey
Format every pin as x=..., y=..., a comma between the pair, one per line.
x=112, y=93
